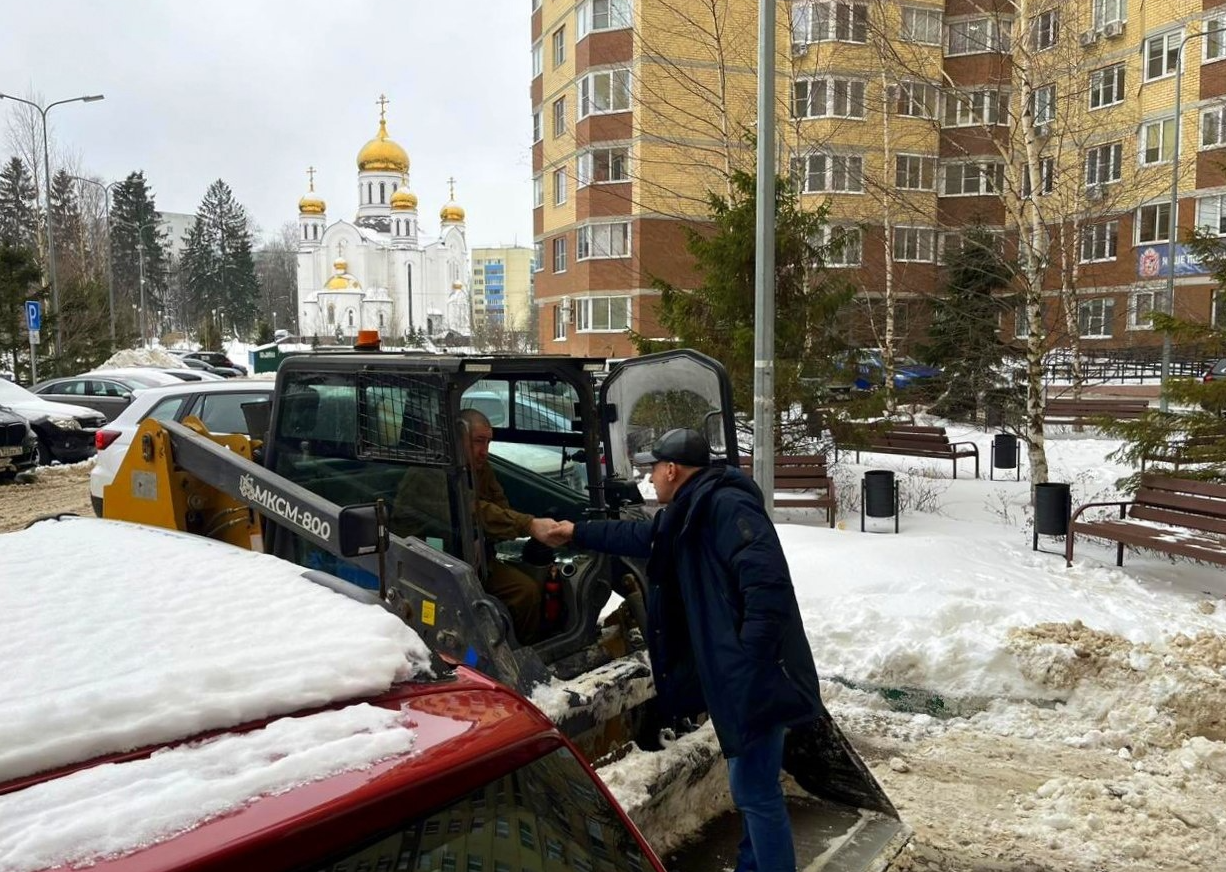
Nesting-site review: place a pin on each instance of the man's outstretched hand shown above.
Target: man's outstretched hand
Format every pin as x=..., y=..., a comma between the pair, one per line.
x=561, y=533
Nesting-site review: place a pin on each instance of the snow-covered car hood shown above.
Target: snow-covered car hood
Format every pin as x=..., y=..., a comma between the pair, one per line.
x=39, y=408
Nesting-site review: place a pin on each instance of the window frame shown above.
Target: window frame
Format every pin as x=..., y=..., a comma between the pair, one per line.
x=538, y=125
x=538, y=58
x=585, y=313
x=1165, y=56
x=1218, y=114
x=928, y=162
x=920, y=233
x=557, y=43
x=998, y=39
x=1104, y=246
x=1047, y=107
x=908, y=32
x=994, y=111
x=586, y=165
x=1051, y=28
x=618, y=15
x=1218, y=228
x=1102, y=15
x=585, y=240
x=907, y=92
x=586, y=89
x=1117, y=152
x=538, y=191
x=849, y=17
x=849, y=231
x=559, y=254
x=1097, y=89
x=1157, y=297
x=1105, y=317
x=1140, y=221
x=560, y=125
x=559, y=186
x=829, y=172
x=989, y=178
x=1213, y=35
x=1163, y=125
x=829, y=90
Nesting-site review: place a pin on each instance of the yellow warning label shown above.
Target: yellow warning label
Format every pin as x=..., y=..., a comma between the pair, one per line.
x=427, y=613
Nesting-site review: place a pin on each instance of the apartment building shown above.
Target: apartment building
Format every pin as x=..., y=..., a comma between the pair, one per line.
x=502, y=287
x=908, y=122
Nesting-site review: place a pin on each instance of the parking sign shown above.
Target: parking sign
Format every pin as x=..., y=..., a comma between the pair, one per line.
x=34, y=315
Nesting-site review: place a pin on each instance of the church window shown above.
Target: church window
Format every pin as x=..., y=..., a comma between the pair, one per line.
x=305, y=231
x=350, y=314
x=382, y=192
x=380, y=320
x=370, y=192
x=331, y=313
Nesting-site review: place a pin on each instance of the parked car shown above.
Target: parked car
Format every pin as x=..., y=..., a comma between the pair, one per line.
x=189, y=374
x=64, y=432
x=197, y=365
x=18, y=445
x=218, y=404
x=108, y=391
x=1217, y=372
x=215, y=358
x=870, y=370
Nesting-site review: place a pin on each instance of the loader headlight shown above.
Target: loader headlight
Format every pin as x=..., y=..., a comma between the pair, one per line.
x=65, y=423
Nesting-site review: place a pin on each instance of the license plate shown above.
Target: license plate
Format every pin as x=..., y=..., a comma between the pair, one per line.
x=9, y=450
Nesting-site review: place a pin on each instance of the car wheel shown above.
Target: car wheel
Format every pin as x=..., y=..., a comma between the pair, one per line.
x=43, y=457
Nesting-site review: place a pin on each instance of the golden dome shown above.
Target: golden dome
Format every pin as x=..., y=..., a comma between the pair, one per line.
x=404, y=200
x=381, y=153
x=342, y=281
x=451, y=212
x=310, y=204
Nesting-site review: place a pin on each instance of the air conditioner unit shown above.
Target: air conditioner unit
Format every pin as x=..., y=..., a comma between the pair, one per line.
x=799, y=48
x=1113, y=29
x=1088, y=38
x=1094, y=193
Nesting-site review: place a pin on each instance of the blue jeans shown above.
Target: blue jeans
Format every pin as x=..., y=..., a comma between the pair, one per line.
x=766, y=845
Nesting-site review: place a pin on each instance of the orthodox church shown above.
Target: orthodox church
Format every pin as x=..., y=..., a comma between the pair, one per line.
x=376, y=272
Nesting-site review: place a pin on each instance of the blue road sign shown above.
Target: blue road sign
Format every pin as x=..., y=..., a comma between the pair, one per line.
x=34, y=315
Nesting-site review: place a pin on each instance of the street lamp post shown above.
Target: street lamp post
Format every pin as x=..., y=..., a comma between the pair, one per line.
x=110, y=266
x=140, y=254
x=55, y=288
x=1173, y=232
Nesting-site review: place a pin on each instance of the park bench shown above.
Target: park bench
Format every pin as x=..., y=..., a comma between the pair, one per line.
x=887, y=437
x=1063, y=410
x=1172, y=515
x=806, y=481
x=1187, y=451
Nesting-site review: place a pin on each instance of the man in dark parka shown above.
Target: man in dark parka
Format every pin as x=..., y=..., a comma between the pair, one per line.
x=725, y=633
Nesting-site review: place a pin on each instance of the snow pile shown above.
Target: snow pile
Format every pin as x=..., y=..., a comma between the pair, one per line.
x=128, y=357
x=167, y=635
x=125, y=806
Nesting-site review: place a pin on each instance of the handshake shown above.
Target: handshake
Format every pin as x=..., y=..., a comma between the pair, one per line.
x=550, y=532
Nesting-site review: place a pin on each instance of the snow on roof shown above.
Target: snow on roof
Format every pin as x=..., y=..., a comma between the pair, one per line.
x=115, y=636
x=122, y=807
x=141, y=357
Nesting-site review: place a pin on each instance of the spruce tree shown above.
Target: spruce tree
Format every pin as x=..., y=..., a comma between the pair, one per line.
x=217, y=268
x=18, y=206
x=19, y=281
x=963, y=338
x=71, y=249
x=717, y=317
x=136, y=224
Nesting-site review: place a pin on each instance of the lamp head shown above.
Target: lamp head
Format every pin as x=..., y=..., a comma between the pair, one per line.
x=92, y=98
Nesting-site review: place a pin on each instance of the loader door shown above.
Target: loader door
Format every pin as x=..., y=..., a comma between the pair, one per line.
x=645, y=397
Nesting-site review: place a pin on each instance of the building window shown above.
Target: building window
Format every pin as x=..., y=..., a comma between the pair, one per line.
x=977, y=35
x=915, y=172
x=921, y=25
x=1107, y=86
x=1045, y=30
x=603, y=315
x=603, y=165
x=596, y=15
x=1047, y=172
x=538, y=191
x=1109, y=11
x=918, y=99
x=559, y=117
x=1100, y=241
x=968, y=179
x=975, y=108
x=1043, y=105
x=841, y=246
x=1214, y=28
x=603, y=241
x=1161, y=53
x=538, y=59
x=559, y=254
x=559, y=187
x=1211, y=214
x=382, y=193
x=1021, y=322
x=1153, y=223
x=1213, y=127
x=1157, y=141
x=1094, y=318
x=370, y=192
x=604, y=92
x=829, y=21
x=537, y=126
x=559, y=47
x=916, y=244
x=538, y=257
x=1143, y=303
x=1103, y=164
x=830, y=172
x=828, y=98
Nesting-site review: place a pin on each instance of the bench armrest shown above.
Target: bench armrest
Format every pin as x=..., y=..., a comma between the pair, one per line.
x=1123, y=504
x=972, y=444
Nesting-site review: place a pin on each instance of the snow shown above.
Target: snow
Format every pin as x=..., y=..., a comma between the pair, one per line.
x=129, y=357
x=167, y=635
x=113, y=809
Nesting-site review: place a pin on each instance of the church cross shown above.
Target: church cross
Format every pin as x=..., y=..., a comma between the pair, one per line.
x=311, y=176
x=382, y=101
x=451, y=184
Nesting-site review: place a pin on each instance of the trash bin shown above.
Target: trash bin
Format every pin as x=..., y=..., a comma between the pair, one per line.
x=1053, y=503
x=266, y=358
x=879, y=496
x=1005, y=455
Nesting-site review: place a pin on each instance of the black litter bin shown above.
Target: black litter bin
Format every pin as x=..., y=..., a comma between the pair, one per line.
x=1053, y=503
x=1005, y=455
x=879, y=496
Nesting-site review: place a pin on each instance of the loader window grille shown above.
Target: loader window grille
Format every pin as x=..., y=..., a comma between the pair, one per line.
x=400, y=417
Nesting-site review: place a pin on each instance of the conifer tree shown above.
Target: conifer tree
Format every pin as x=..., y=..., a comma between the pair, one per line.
x=71, y=253
x=218, y=268
x=136, y=236
x=18, y=206
x=19, y=279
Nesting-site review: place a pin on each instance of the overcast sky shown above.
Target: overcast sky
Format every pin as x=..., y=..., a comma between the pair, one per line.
x=255, y=91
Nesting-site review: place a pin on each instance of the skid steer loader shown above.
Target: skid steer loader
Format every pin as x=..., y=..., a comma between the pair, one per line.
x=362, y=477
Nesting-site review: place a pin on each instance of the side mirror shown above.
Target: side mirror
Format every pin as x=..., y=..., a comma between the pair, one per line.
x=361, y=531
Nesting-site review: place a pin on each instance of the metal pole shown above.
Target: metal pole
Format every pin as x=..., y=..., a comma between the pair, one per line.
x=140, y=253
x=764, y=264
x=55, y=285
x=110, y=262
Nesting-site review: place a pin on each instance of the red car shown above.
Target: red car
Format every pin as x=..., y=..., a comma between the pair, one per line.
x=489, y=785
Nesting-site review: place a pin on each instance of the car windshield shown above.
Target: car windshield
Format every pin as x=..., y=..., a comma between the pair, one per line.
x=11, y=393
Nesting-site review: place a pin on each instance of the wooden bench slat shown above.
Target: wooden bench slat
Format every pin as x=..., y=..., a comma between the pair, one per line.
x=1184, y=485
x=805, y=475
x=1207, y=523
x=1196, y=547
x=1190, y=503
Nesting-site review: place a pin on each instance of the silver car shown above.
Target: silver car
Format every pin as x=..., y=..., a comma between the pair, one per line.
x=108, y=391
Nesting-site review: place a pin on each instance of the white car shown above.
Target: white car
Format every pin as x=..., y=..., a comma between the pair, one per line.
x=219, y=404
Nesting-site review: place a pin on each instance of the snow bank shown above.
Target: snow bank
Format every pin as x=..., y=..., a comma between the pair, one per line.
x=119, y=808
x=142, y=357
x=143, y=636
